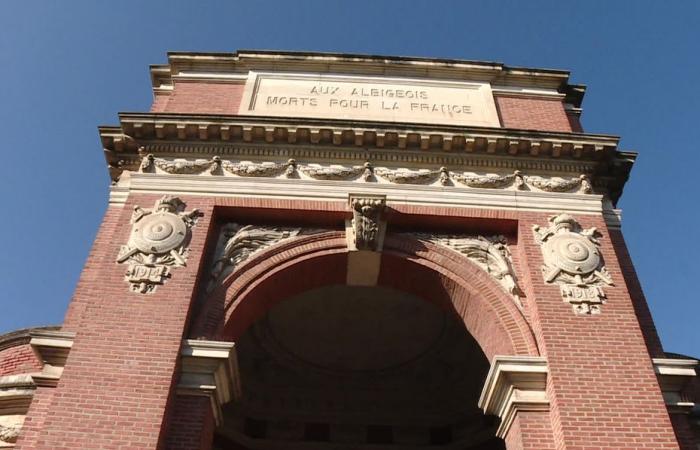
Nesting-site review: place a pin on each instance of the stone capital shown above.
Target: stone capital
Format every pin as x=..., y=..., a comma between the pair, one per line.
x=210, y=369
x=674, y=376
x=514, y=384
x=51, y=348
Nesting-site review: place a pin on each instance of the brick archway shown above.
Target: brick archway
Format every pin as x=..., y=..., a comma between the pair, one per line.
x=429, y=271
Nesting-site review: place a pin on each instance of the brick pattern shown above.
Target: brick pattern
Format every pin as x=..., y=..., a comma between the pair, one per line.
x=39, y=410
x=17, y=360
x=198, y=97
x=533, y=114
x=191, y=425
x=530, y=430
x=634, y=287
x=116, y=384
x=684, y=434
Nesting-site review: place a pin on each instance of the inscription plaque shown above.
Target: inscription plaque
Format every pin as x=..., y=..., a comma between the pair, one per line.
x=369, y=98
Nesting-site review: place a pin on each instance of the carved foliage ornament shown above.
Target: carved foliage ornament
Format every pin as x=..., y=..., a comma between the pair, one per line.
x=157, y=243
x=572, y=260
x=238, y=242
x=491, y=254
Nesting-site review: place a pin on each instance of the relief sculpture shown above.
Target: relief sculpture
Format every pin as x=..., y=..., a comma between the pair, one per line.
x=573, y=261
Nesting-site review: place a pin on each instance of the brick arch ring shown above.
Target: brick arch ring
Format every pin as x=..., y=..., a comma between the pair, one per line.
x=433, y=273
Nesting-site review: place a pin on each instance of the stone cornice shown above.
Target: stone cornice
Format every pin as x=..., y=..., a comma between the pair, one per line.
x=416, y=145
x=436, y=68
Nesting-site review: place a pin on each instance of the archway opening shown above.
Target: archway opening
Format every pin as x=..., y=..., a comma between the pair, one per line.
x=350, y=367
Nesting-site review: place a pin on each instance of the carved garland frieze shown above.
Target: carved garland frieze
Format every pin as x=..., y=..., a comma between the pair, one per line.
x=239, y=242
x=10, y=432
x=491, y=181
x=491, y=254
x=573, y=261
x=367, y=173
x=158, y=241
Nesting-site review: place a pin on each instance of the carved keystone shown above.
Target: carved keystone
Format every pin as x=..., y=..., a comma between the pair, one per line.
x=367, y=227
x=514, y=384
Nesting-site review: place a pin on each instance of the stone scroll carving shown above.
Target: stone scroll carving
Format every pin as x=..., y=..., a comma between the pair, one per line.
x=573, y=261
x=157, y=243
x=491, y=254
x=367, y=222
x=239, y=242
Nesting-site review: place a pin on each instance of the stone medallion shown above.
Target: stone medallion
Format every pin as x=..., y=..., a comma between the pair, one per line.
x=157, y=242
x=572, y=260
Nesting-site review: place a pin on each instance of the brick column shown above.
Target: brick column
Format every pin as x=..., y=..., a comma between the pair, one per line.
x=602, y=386
x=117, y=382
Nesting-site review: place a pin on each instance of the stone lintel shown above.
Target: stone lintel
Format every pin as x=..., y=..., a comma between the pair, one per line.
x=210, y=369
x=51, y=348
x=514, y=383
x=674, y=375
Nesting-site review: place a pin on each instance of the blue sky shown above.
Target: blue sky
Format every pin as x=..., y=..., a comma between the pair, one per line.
x=70, y=66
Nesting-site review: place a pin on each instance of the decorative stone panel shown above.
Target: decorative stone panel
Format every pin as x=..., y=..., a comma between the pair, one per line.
x=491, y=254
x=158, y=241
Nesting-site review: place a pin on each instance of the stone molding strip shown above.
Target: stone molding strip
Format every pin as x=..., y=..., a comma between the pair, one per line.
x=514, y=384
x=210, y=369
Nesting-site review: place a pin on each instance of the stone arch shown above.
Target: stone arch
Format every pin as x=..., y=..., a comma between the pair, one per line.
x=430, y=271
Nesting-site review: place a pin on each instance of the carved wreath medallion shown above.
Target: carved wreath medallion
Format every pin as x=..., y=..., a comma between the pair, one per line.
x=157, y=242
x=572, y=260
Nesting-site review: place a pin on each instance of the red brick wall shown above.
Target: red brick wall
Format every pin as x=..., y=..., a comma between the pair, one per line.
x=18, y=359
x=533, y=114
x=191, y=425
x=198, y=97
x=117, y=382
x=115, y=389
